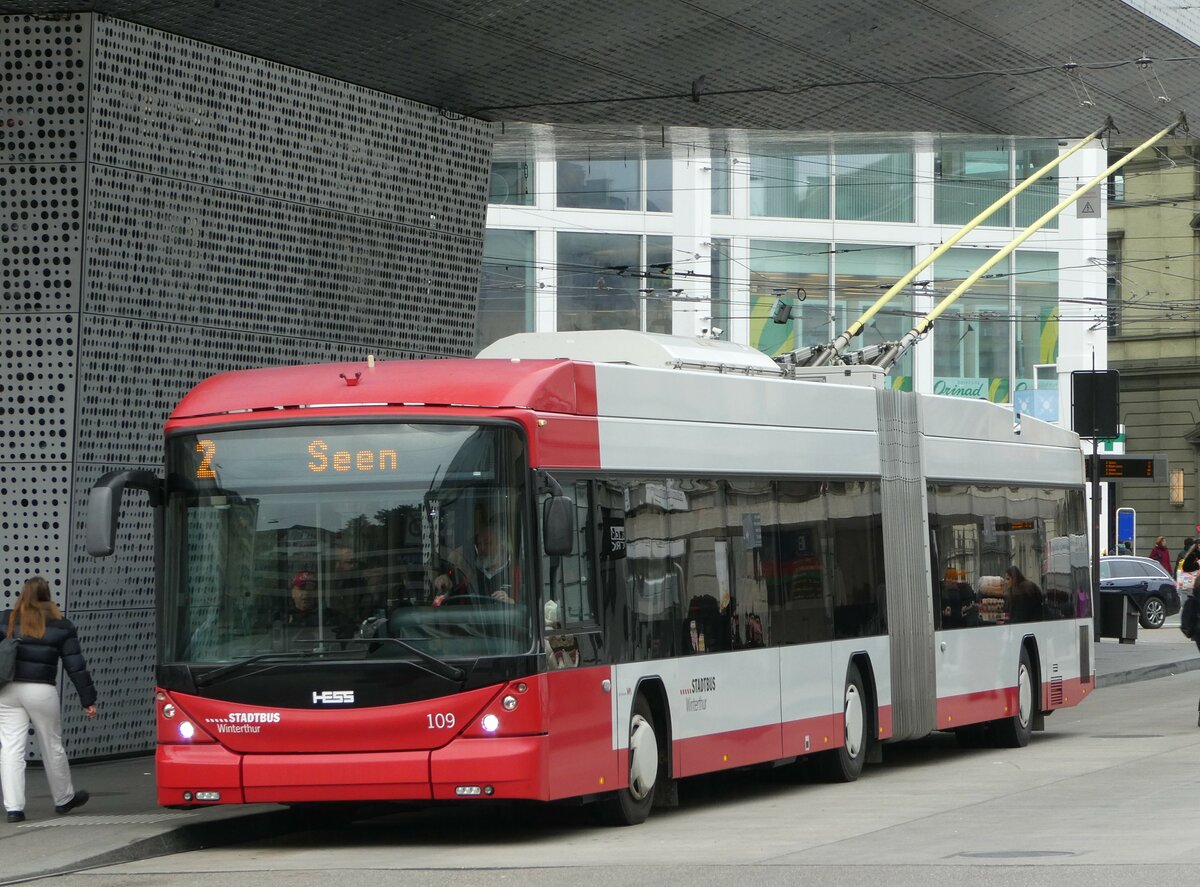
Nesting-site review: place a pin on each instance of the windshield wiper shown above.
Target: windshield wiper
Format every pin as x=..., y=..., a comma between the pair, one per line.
x=445, y=669
x=211, y=677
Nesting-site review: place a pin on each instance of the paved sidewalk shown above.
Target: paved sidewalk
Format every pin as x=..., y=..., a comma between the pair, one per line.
x=123, y=822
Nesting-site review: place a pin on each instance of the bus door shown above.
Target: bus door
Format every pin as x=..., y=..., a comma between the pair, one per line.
x=583, y=759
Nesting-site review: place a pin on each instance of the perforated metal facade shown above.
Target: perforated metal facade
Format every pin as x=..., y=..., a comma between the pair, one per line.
x=169, y=210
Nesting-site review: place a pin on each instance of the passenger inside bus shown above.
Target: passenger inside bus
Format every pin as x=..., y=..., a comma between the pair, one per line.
x=1025, y=596
x=959, y=606
x=304, y=613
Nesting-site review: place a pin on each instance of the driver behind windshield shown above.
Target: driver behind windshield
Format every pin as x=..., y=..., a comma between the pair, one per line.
x=486, y=573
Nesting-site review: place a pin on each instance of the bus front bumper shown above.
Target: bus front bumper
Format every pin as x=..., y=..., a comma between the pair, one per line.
x=494, y=767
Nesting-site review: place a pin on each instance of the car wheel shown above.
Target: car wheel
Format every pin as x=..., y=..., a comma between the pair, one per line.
x=1153, y=614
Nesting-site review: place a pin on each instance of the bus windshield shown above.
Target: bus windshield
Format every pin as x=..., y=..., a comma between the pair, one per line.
x=294, y=542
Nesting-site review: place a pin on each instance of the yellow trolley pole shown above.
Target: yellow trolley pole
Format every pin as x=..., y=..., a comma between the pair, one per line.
x=889, y=357
x=832, y=352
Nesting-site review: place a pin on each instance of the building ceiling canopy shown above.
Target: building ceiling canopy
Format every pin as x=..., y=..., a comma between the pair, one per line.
x=1023, y=67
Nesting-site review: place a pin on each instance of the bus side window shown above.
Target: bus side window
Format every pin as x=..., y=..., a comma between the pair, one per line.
x=569, y=596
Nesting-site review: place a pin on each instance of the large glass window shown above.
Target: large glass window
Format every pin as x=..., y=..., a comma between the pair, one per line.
x=605, y=283
x=799, y=274
x=511, y=183
x=752, y=519
x=1006, y=554
x=601, y=183
x=721, y=187
x=347, y=541
x=789, y=183
x=967, y=182
x=659, y=305
x=874, y=187
x=1040, y=197
x=828, y=578
x=507, y=287
x=659, y=191
x=654, y=563
x=719, y=285
x=972, y=337
x=1037, y=314
x=598, y=281
x=863, y=273
x=1116, y=274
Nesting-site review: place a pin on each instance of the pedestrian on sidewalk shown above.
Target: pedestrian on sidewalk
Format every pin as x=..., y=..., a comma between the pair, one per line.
x=1162, y=554
x=44, y=638
x=1183, y=552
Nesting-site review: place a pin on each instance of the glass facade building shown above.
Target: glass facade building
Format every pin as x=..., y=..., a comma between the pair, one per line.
x=704, y=236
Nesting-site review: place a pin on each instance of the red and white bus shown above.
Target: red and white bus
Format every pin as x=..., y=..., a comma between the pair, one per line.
x=582, y=566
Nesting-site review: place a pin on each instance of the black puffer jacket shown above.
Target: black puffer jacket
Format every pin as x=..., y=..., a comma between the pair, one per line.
x=37, y=658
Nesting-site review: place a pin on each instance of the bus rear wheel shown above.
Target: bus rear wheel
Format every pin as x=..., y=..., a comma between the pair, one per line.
x=1015, y=731
x=631, y=805
x=845, y=764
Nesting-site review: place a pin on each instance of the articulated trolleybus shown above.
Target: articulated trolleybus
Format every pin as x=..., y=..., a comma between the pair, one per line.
x=583, y=566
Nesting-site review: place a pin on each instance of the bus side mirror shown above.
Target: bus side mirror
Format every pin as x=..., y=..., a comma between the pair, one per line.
x=558, y=526
x=104, y=506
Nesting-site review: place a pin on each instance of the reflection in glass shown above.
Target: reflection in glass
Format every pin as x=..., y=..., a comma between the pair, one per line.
x=972, y=337
x=875, y=187
x=864, y=273
x=790, y=184
x=1004, y=555
x=598, y=281
x=600, y=184
x=511, y=183
x=506, y=291
x=799, y=273
x=967, y=182
x=319, y=540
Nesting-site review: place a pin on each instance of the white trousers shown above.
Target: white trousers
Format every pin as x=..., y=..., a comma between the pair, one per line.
x=20, y=703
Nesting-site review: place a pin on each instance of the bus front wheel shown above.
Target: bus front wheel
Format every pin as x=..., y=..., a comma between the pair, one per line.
x=631, y=805
x=845, y=764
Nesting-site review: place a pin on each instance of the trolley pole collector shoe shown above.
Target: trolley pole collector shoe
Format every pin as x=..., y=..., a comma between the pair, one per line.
x=77, y=800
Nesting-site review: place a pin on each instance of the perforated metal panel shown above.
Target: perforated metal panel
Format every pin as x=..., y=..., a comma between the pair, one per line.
x=43, y=107
x=172, y=210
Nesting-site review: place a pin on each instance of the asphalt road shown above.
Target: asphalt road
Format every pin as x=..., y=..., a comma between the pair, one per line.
x=1106, y=796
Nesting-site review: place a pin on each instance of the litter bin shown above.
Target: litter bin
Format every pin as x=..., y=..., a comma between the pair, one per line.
x=1118, y=618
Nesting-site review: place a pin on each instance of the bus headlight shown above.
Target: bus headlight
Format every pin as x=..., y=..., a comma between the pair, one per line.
x=490, y=723
x=186, y=729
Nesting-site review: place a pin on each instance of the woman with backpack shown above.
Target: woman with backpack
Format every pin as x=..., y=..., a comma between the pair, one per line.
x=1162, y=554
x=44, y=638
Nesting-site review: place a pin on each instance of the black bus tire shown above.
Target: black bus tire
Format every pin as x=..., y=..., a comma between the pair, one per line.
x=631, y=805
x=1015, y=731
x=845, y=764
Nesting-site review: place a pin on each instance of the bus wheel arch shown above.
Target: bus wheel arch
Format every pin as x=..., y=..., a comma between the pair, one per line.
x=649, y=731
x=1015, y=730
x=860, y=715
